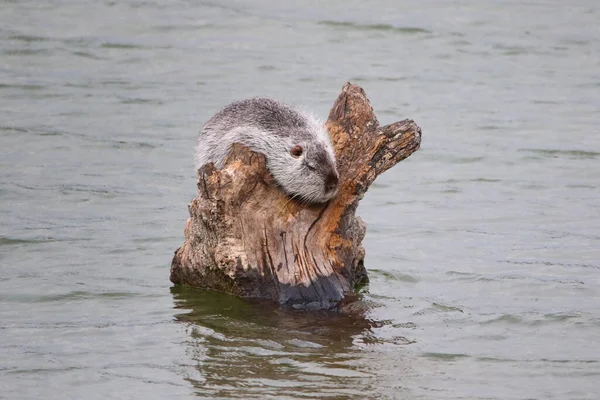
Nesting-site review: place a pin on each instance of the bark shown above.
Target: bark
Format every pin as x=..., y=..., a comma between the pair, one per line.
x=246, y=237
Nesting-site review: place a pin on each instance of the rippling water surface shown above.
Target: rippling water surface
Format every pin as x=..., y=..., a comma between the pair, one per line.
x=483, y=248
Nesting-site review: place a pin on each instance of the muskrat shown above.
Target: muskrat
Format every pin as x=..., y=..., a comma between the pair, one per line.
x=297, y=146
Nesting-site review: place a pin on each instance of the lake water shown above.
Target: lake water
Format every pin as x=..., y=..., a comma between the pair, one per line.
x=483, y=248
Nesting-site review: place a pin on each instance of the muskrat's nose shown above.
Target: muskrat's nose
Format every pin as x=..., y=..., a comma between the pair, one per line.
x=331, y=181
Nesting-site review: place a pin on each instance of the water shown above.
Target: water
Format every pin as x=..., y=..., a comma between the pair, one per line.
x=483, y=248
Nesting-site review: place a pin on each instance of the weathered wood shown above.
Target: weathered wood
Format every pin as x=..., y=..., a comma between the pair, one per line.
x=246, y=237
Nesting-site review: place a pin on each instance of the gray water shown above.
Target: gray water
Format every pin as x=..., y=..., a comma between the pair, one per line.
x=483, y=248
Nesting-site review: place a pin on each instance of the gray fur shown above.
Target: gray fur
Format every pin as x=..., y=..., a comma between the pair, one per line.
x=273, y=129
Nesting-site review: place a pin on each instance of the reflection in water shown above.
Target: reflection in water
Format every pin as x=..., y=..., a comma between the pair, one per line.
x=246, y=349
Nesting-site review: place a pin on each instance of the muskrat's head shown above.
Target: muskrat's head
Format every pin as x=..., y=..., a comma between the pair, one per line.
x=306, y=166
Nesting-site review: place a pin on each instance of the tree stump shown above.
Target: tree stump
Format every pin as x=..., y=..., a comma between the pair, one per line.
x=246, y=237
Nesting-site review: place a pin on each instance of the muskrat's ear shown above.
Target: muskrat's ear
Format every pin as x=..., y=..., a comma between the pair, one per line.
x=296, y=151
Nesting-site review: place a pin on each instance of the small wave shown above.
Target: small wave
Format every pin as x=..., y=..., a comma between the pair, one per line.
x=21, y=86
x=553, y=153
x=25, y=52
x=446, y=356
x=551, y=264
x=85, y=54
x=80, y=190
x=112, y=45
x=505, y=318
x=28, y=38
x=521, y=360
x=380, y=79
x=490, y=127
x=485, y=180
x=396, y=276
x=374, y=27
x=13, y=129
x=190, y=27
x=76, y=295
x=468, y=160
x=140, y=101
x=513, y=50
x=139, y=145
x=547, y=319
x=8, y=241
x=437, y=308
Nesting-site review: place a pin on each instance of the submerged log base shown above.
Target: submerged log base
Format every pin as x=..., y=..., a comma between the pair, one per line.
x=246, y=237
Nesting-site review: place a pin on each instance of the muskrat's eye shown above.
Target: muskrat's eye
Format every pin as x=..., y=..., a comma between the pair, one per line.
x=296, y=151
